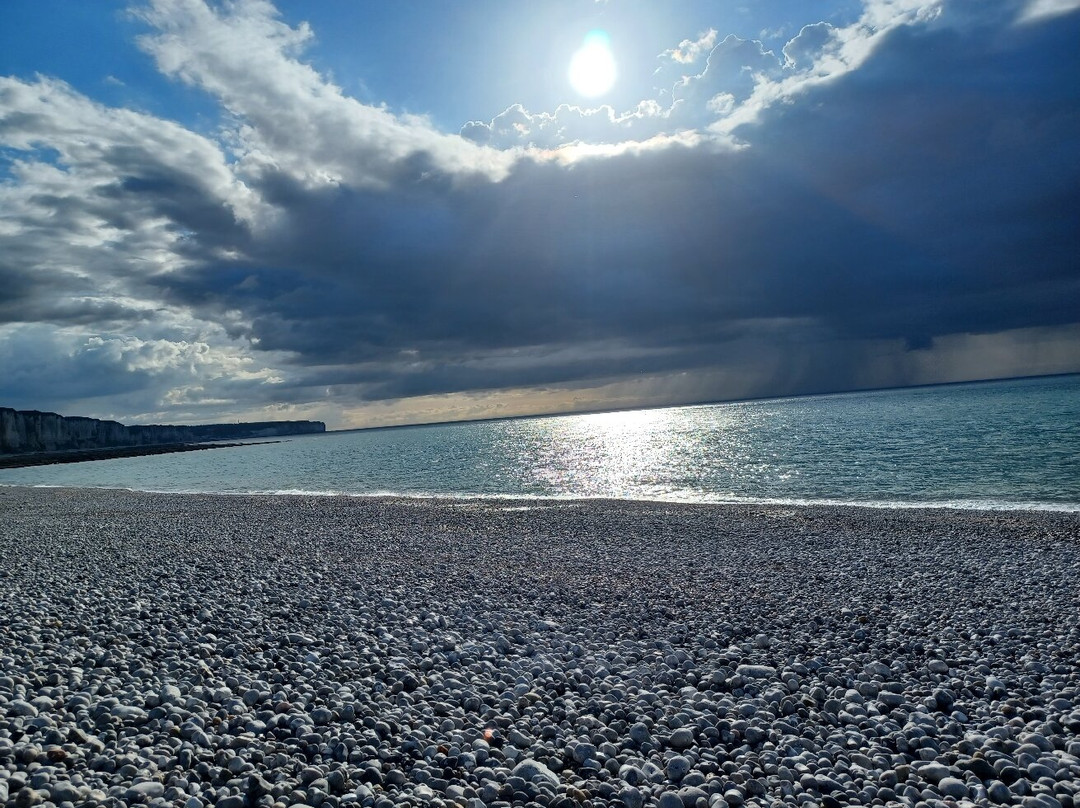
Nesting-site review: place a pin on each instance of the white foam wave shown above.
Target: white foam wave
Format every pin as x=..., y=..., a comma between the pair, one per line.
x=680, y=497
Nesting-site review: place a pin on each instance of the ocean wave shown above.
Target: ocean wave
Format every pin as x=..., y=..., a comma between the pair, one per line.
x=989, y=504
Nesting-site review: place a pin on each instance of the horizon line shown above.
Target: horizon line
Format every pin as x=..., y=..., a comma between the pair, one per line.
x=704, y=402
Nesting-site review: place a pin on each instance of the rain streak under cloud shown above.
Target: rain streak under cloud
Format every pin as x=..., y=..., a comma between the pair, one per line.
x=884, y=195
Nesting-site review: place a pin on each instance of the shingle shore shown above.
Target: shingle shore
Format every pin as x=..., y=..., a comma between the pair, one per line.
x=279, y=651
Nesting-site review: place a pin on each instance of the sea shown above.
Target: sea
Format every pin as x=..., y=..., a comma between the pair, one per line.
x=1000, y=445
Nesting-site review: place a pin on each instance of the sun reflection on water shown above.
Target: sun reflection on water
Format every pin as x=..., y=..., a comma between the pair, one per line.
x=614, y=453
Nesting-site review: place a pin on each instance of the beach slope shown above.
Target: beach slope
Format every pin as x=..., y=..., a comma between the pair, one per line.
x=276, y=651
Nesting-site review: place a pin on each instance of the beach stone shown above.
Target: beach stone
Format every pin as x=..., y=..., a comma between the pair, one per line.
x=1009, y=774
x=981, y=769
x=146, y=790
x=1041, y=801
x=999, y=792
x=127, y=712
x=631, y=797
x=682, y=738
x=530, y=769
x=423, y=792
x=337, y=782
x=583, y=752
x=677, y=767
x=938, y=666
x=934, y=772
x=669, y=799
x=943, y=699
x=755, y=735
x=1037, y=770
x=952, y=787
x=756, y=671
x=639, y=733
x=891, y=700
x=20, y=707
x=27, y=797
x=995, y=687
x=64, y=791
x=878, y=669
x=689, y=795
x=694, y=778
x=734, y=796
x=519, y=739
x=826, y=784
x=1039, y=741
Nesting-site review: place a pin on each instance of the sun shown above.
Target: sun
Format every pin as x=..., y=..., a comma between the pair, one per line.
x=592, y=68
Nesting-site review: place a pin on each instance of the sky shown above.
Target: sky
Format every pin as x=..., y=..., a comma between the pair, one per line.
x=374, y=213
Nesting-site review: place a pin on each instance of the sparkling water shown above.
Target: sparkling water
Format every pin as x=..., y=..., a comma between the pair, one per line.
x=1010, y=444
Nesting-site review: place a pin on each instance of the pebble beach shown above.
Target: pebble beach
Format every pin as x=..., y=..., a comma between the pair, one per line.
x=276, y=651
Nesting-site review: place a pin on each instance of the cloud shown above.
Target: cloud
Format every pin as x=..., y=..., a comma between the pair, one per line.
x=685, y=102
x=714, y=87
x=1037, y=10
x=806, y=49
x=888, y=202
x=101, y=199
x=291, y=118
x=569, y=125
x=690, y=51
x=115, y=375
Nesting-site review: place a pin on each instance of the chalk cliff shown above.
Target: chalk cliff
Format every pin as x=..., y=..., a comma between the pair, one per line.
x=33, y=431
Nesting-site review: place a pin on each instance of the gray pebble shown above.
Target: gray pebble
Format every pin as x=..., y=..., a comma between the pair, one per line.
x=529, y=770
x=469, y=654
x=669, y=799
x=952, y=787
x=677, y=768
x=682, y=738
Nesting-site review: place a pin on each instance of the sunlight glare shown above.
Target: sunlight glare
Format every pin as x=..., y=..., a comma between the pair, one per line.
x=592, y=68
x=608, y=454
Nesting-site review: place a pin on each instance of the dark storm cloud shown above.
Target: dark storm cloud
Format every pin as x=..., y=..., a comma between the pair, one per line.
x=933, y=191
x=964, y=147
x=57, y=297
x=35, y=361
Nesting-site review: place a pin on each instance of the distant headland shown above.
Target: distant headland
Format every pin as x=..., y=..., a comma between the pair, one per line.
x=29, y=432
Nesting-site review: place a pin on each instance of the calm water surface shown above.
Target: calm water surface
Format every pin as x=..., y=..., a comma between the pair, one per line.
x=1012, y=444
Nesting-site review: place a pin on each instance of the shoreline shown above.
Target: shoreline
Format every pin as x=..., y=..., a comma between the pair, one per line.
x=241, y=650
x=963, y=506
x=30, y=459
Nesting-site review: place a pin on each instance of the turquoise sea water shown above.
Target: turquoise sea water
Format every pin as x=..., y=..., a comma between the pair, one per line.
x=1011, y=444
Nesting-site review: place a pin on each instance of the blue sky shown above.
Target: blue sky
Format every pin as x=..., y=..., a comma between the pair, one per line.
x=452, y=61
x=389, y=212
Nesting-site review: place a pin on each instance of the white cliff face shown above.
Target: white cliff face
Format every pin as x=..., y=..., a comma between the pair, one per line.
x=32, y=431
